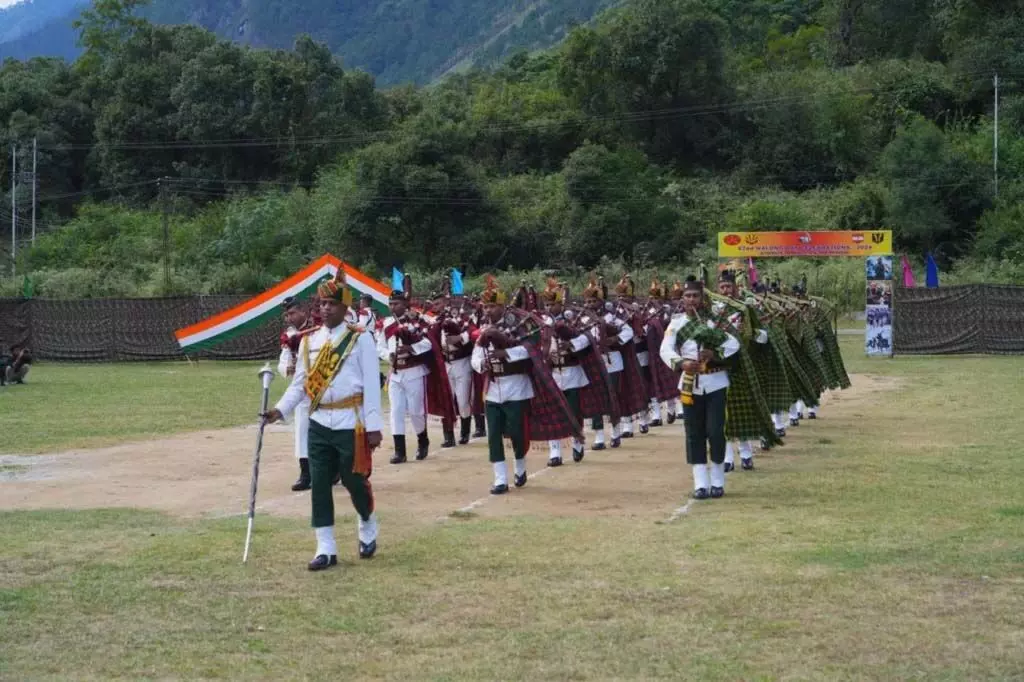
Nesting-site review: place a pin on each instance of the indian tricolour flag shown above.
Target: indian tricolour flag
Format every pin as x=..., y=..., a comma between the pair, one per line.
x=259, y=309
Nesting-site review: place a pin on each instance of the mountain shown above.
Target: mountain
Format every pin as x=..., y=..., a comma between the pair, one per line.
x=396, y=40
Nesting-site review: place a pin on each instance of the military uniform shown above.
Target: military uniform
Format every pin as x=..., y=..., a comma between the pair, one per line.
x=563, y=351
x=405, y=345
x=337, y=373
x=291, y=338
x=705, y=417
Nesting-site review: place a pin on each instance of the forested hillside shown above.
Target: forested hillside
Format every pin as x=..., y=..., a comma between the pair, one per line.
x=396, y=40
x=635, y=140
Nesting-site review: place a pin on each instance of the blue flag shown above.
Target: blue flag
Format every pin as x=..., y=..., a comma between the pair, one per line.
x=457, y=289
x=396, y=279
x=931, y=278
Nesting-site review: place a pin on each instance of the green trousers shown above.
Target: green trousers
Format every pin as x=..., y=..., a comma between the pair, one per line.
x=572, y=396
x=330, y=452
x=705, y=425
x=597, y=423
x=505, y=419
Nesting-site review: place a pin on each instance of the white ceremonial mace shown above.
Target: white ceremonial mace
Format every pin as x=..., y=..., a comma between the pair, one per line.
x=266, y=376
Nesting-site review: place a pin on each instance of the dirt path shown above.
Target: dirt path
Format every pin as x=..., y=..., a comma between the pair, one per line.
x=208, y=474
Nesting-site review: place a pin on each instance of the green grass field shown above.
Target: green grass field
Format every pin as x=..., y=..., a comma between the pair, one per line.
x=890, y=548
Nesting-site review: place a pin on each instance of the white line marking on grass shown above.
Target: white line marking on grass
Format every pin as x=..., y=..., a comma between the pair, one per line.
x=483, y=500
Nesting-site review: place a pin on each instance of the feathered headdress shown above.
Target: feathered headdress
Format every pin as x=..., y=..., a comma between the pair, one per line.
x=336, y=288
x=625, y=287
x=594, y=289
x=551, y=293
x=492, y=293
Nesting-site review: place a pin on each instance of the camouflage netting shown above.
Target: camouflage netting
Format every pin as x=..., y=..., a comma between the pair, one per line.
x=108, y=330
x=981, y=318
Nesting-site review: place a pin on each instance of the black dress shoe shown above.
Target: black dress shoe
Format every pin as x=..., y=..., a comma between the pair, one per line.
x=616, y=442
x=322, y=561
x=464, y=427
x=303, y=482
x=499, y=489
x=481, y=426
x=555, y=462
x=680, y=416
x=627, y=434
x=577, y=456
x=399, y=456
x=367, y=549
x=645, y=429
x=717, y=492
x=671, y=418
x=765, y=445
x=794, y=422
x=729, y=466
x=449, y=439
x=520, y=480
x=423, y=446
x=781, y=433
x=812, y=415
x=657, y=422
x=598, y=446
x=800, y=416
x=748, y=464
x=700, y=494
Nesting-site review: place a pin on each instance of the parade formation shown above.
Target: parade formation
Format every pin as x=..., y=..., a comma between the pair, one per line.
x=736, y=365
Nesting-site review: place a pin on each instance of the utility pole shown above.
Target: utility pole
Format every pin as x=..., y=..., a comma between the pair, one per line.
x=34, y=158
x=167, y=237
x=995, y=133
x=14, y=208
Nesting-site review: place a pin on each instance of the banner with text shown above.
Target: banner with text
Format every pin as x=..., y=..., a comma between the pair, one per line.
x=861, y=243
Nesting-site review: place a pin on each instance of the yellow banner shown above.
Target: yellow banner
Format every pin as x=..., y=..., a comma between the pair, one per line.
x=818, y=244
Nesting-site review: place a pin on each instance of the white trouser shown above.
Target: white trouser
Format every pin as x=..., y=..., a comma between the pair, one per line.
x=408, y=398
x=301, y=430
x=745, y=448
x=460, y=378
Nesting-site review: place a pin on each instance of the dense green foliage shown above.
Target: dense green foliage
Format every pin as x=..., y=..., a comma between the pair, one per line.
x=630, y=145
x=396, y=40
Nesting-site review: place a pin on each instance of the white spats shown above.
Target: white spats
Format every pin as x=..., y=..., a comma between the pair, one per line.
x=717, y=475
x=554, y=449
x=325, y=543
x=577, y=445
x=794, y=411
x=779, y=420
x=520, y=466
x=700, y=476
x=616, y=432
x=368, y=529
x=599, y=437
x=730, y=453
x=746, y=450
x=500, y=473
x=626, y=424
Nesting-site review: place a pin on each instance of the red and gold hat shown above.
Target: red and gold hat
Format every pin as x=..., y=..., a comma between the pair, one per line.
x=336, y=288
x=593, y=289
x=492, y=293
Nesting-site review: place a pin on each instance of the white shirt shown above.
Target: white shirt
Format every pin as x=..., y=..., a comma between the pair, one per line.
x=572, y=377
x=644, y=356
x=386, y=346
x=613, y=359
x=505, y=389
x=706, y=383
x=359, y=374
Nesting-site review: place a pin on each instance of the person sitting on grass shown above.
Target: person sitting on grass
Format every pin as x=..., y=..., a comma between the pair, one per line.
x=17, y=366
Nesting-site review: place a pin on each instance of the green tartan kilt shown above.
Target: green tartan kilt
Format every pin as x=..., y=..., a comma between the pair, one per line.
x=747, y=416
x=801, y=385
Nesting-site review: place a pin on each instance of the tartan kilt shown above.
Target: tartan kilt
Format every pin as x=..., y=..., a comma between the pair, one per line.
x=800, y=382
x=772, y=376
x=440, y=401
x=746, y=413
x=632, y=390
x=664, y=382
x=830, y=350
x=597, y=398
x=550, y=416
